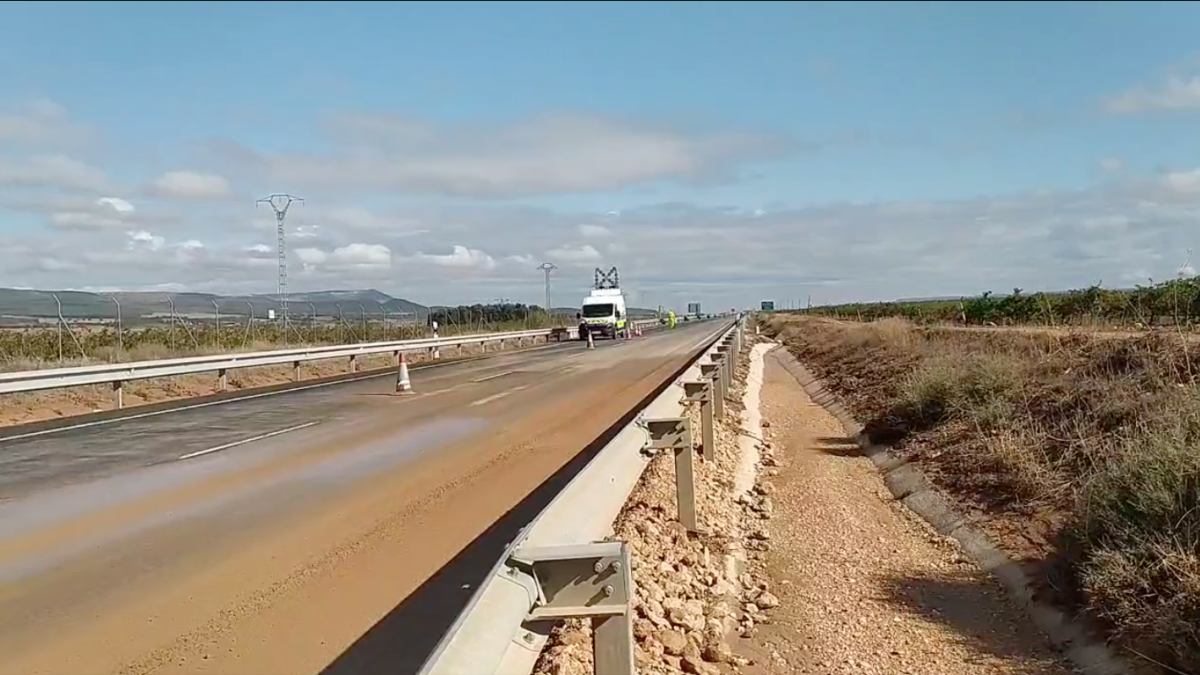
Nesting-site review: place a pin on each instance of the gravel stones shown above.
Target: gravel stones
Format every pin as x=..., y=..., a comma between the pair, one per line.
x=690, y=598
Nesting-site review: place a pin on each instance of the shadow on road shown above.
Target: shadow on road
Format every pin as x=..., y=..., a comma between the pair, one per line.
x=960, y=601
x=399, y=643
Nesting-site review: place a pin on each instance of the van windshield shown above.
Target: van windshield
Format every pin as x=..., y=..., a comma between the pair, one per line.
x=597, y=311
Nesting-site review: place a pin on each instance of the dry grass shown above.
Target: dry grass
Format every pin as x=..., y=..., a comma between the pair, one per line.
x=149, y=351
x=1080, y=452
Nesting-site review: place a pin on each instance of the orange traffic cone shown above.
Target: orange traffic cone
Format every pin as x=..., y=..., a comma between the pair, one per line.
x=403, y=386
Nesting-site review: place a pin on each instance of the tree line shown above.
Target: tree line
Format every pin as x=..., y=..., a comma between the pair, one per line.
x=1170, y=302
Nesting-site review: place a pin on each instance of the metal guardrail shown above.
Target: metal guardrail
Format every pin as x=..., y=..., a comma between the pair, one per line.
x=559, y=567
x=117, y=373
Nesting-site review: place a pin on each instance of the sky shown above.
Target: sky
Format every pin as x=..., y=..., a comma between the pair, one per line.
x=715, y=152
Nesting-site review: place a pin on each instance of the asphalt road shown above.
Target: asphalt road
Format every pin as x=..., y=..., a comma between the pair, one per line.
x=335, y=529
x=30, y=461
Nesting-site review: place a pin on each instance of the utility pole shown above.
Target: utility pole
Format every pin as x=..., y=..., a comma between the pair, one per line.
x=280, y=203
x=547, y=268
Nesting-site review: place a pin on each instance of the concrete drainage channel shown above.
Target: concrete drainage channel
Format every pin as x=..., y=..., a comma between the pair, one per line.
x=637, y=565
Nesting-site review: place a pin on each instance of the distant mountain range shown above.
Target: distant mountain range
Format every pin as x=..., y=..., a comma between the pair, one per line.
x=21, y=306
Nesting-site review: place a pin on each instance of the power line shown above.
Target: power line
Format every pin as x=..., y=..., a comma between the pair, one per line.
x=547, y=268
x=280, y=203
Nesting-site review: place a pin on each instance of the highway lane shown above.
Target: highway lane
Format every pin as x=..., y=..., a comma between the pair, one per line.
x=278, y=554
x=32, y=460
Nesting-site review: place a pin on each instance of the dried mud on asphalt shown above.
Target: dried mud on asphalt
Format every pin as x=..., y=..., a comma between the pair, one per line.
x=347, y=584
x=838, y=578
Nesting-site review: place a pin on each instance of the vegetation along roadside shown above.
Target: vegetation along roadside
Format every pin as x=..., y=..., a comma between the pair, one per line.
x=1079, y=453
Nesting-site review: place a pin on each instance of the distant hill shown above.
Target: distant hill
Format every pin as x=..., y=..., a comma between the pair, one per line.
x=21, y=304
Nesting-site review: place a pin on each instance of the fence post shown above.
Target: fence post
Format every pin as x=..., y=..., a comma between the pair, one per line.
x=120, y=337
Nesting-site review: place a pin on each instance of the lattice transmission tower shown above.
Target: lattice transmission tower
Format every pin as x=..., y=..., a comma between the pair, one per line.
x=280, y=203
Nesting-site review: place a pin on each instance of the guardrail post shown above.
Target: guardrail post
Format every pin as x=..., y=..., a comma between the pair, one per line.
x=295, y=371
x=396, y=359
x=726, y=360
x=712, y=372
x=118, y=394
x=701, y=392
x=675, y=434
x=222, y=380
x=353, y=363
x=587, y=581
x=726, y=353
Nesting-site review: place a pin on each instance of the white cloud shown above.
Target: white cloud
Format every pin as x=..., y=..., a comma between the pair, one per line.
x=575, y=254
x=103, y=213
x=308, y=256
x=1175, y=89
x=350, y=255
x=142, y=239
x=54, y=171
x=1174, y=94
x=191, y=185
x=546, y=154
x=117, y=204
x=1186, y=182
x=77, y=226
x=39, y=122
x=370, y=255
x=461, y=257
x=590, y=231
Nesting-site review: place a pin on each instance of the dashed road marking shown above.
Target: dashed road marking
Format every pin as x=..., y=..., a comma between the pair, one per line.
x=496, y=397
x=247, y=440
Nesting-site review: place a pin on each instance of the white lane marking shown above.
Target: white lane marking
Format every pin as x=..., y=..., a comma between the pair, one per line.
x=496, y=397
x=492, y=377
x=247, y=440
x=248, y=397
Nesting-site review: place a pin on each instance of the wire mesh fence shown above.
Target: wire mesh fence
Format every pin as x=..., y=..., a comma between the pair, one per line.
x=169, y=328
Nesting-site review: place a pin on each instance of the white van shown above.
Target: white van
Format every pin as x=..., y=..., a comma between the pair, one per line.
x=604, y=313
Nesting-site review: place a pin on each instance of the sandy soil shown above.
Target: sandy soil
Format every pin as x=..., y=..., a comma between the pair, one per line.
x=865, y=586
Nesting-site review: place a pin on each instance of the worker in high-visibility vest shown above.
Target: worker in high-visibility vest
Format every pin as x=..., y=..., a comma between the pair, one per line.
x=671, y=319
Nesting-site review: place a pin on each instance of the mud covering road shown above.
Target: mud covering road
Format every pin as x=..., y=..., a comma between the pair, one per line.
x=178, y=543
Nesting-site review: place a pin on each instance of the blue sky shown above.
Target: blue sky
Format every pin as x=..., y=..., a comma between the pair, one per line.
x=842, y=121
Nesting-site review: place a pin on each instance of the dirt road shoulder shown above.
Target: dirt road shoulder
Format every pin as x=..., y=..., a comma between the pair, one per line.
x=864, y=586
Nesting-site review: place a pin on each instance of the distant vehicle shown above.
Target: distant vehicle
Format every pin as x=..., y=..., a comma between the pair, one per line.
x=604, y=313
